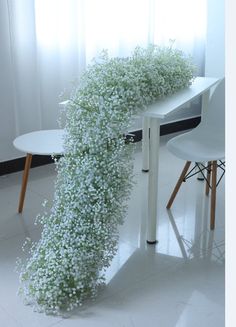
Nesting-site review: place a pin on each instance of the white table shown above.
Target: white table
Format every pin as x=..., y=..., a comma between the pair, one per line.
x=152, y=118
x=44, y=142
x=150, y=147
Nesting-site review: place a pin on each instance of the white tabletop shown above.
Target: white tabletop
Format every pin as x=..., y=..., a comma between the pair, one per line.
x=44, y=142
x=166, y=106
x=162, y=108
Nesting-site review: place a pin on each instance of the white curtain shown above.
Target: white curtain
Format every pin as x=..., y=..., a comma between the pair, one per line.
x=46, y=44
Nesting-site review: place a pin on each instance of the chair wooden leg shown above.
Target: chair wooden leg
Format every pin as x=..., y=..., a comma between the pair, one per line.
x=208, y=178
x=24, y=181
x=213, y=194
x=177, y=186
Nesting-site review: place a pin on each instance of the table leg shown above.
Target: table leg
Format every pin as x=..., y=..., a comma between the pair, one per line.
x=199, y=175
x=205, y=104
x=24, y=181
x=145, y=144
x=153, y=180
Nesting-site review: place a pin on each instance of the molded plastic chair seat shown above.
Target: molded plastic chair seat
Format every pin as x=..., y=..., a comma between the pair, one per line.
x=198, y=146
x=204, y=144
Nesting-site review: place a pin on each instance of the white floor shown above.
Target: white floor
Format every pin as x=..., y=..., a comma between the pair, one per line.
x=177, y=283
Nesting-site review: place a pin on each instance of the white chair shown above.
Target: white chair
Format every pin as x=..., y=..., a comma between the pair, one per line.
x=44, y=142
x=205, y=146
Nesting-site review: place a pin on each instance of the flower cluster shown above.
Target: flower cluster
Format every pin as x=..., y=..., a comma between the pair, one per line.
x=80, y=232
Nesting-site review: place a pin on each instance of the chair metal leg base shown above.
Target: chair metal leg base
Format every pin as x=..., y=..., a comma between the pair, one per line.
x=211, y=183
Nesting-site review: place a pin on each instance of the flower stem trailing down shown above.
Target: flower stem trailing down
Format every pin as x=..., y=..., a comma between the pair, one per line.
x=94, y=177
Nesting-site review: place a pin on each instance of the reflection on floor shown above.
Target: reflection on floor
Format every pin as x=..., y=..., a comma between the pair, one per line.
x=177, y=283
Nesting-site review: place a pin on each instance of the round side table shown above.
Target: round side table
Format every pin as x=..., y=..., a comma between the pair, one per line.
x=44, y=142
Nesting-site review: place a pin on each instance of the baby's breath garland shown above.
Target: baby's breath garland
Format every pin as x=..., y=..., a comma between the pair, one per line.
x=80, y=233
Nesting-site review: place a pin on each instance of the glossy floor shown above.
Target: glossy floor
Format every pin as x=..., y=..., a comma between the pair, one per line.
x=177, y=283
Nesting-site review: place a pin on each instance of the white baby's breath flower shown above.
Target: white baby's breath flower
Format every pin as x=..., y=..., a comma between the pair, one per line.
x=95, y=176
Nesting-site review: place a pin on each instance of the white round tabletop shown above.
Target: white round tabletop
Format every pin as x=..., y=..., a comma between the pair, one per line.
x=44, y=142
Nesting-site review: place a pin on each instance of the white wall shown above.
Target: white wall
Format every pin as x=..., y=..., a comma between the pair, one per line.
x=215, y=45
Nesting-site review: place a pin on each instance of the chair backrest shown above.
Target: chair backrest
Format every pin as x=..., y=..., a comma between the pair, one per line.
x=214, y=117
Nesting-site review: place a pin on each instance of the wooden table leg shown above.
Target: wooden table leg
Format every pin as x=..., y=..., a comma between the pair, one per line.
x=24, y=181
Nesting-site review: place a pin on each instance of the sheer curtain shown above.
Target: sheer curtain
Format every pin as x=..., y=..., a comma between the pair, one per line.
x=46, y=45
